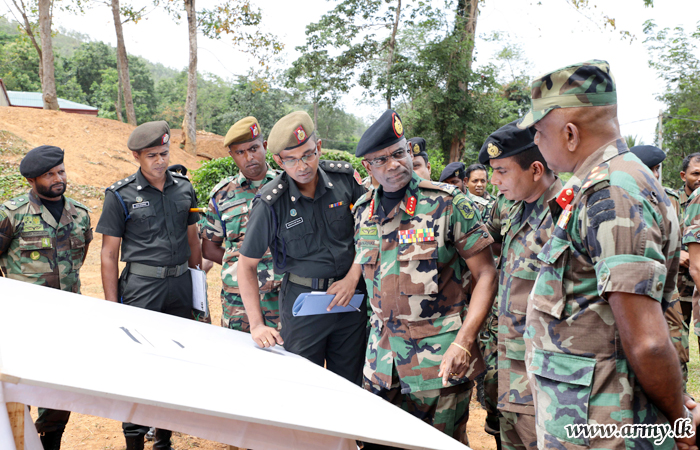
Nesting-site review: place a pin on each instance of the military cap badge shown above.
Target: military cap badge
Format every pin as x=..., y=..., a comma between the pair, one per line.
x=300, y=134
x=493, y=150
x=416, y=149
x=398, y=126
x=164, y=140
x=254, y=130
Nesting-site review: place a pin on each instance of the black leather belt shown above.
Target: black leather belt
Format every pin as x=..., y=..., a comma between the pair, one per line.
x=313, y=283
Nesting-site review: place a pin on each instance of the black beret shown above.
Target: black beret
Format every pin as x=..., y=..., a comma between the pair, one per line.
x=149, y=134
x=453, y=169
x=649, y=154
x=40, y=160
x=179, y=168
x=386, y=131
x=417, y=146
x=509, y=140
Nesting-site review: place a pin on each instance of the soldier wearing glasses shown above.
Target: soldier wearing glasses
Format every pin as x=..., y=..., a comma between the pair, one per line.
x=303, y=216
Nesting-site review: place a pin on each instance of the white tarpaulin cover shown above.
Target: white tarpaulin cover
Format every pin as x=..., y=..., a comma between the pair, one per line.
x=70, y=352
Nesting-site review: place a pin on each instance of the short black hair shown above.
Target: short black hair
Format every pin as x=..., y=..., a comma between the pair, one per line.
x=529, y=156
x=468, y=171
x=687, y=159
x=425, y=158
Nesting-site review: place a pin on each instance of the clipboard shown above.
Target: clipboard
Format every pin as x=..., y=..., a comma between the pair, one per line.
x=314, y=303
x=200, y=305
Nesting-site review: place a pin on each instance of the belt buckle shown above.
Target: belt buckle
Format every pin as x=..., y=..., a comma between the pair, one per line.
x=170, y=271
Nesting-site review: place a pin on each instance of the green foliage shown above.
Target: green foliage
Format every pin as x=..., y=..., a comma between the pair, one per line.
x=632, y=141
x=19, y=64
x=338, y=155
x=673, y=53
x=11, y=182
x=10, y=144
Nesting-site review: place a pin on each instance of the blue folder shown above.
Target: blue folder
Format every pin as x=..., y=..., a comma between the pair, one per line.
x=313, y=303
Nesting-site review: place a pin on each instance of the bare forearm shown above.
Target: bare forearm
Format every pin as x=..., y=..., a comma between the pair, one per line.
x=110, y=275
x=250, y=291
x=212, y=252
x=195, y=248
x=480, y=304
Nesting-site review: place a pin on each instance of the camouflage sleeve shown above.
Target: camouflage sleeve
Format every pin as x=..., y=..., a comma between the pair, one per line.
x=6, y=231
x=493, y=222
x=467, y=232
x=624, y=238
x=691, y=221
x=212, y=228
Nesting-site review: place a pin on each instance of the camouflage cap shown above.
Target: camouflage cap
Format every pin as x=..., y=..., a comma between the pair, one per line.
x=149, y=134
x=290, y=132
x=244, y=130
x=584, y=84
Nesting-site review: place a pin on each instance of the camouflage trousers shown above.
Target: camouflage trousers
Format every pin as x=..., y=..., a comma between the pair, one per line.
x=518, y=431
x=233, y=313
x=489, y=348
x=679, y=332
x=446, y=409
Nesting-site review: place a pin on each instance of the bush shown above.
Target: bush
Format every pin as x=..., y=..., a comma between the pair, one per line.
x=212, y=172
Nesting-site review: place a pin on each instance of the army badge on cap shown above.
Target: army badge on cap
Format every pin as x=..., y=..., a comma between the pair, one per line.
x=149, y=134
x=493, y=151
x=244, y=130
x=509, y=140
x=290, y=132
x=398, y=126
x=385, y=132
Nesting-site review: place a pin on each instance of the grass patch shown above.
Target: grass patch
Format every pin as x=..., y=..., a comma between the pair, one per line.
x=12, y=183
x=11, y=144
x=694, y=367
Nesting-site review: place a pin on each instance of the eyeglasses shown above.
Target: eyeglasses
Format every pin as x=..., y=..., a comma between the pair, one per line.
x=289, y=163
x=382, y=160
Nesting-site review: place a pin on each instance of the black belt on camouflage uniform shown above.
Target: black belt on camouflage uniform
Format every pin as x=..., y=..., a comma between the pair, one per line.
x=158, y=272
x=313, y=283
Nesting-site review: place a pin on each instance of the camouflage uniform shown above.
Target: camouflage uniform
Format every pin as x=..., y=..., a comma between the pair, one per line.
x=601, y=243
x=691, y=235
x=686, y=285
x=229, y=208
x=413, y=265
x=40, y=251
x=483, y=204
x=521, y=241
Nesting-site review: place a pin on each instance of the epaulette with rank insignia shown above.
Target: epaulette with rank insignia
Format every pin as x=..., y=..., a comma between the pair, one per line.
x=16, y=202
x=364, y=198
x=336, y=166
x=672, y=193
x=121, y=183
x=477, y=199
x=271, y=191
x=445, y=187
x=597, y=175
x=221, y=184
x=78, y=204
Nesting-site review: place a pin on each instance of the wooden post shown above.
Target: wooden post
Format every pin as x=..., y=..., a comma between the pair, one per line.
x=16, y=413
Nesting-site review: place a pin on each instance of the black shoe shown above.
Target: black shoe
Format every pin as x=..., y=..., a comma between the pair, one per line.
x=162, y=441
x=51, y=440
x=134, y=443
x=151, y=435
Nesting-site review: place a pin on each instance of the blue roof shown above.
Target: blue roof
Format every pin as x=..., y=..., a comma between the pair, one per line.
x=33, y=99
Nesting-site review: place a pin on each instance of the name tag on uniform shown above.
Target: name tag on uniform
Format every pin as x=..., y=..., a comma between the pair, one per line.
x=240, y=201
x=140, y=205
x=294, y=222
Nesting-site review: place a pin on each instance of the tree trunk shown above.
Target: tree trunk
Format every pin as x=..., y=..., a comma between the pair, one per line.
x=118, y=104
x=392, y=46
x=316, y=115
x=123, y=67
x=49, y=82
x=189, y=124
x=28, y=28
x=468, y=12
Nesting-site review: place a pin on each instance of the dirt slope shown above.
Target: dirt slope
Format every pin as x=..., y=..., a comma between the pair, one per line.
x=96, y=156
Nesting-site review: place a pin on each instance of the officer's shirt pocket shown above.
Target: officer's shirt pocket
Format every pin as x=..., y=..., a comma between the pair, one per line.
x=549, y=293
x=77, y=250
x=36, y=253
x=143, y=225
x=235, y=219
x=418, y=271
x=340, y=221
x=299, y=238
x=563, y=385
x=367, y=254
x=182, y=211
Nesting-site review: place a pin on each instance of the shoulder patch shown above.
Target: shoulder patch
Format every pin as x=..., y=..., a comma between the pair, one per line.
x=78, y=204
x=271, y=191
x=121, y=183
x=445, y=187
x=601, y=208
x=16, y=202
x=671, y=193
x=337, y=166
x=221, y=184
x=464, y=206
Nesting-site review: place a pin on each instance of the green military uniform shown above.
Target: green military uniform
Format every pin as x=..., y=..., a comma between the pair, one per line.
x=686, y=285
x=413, y=264
x=521, y=239
x=483, y=204
x=36, y=249
x=225, y=223
x=691, y=235
x=615, y=232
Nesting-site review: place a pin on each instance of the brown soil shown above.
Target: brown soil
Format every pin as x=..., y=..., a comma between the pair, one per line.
x=96, y=156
